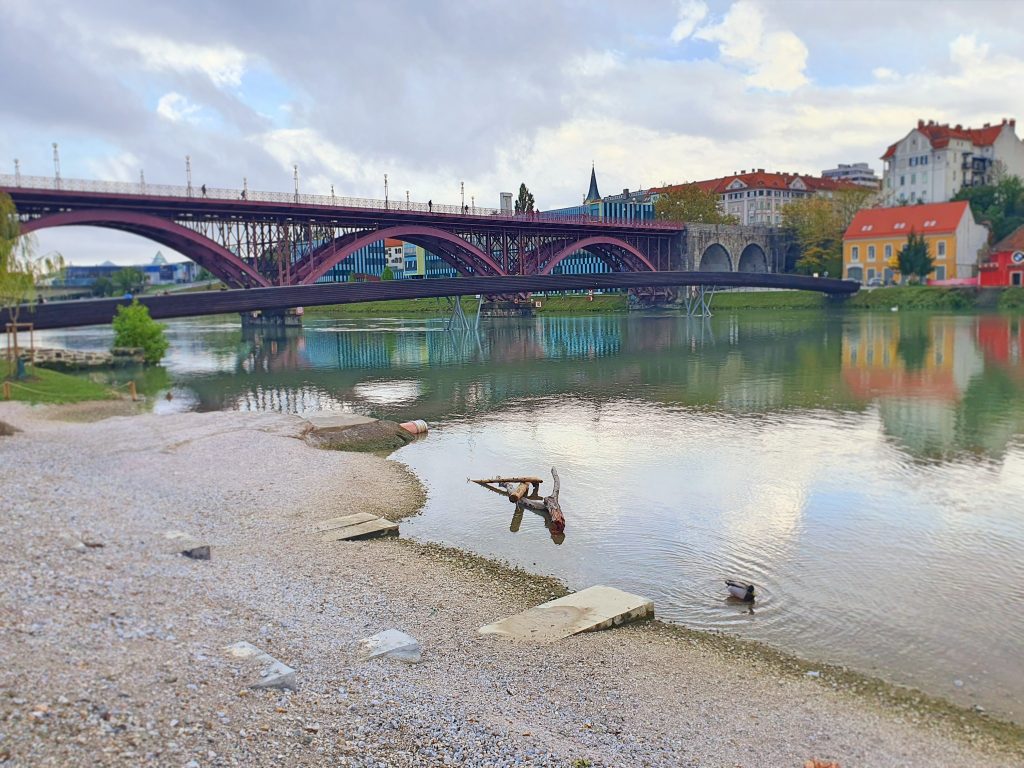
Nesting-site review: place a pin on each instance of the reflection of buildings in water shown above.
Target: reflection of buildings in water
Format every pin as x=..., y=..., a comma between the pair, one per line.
x=576, y=337
x=286, y=400
x=933, y=379
x=753, y=394
x=396, y=392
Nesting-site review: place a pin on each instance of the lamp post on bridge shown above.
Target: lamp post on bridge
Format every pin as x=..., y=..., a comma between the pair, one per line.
x=295, y=175
x=385, y=191
x=188, y=175
x=142, y=181
x=17, y=173
x=462, y=192
x=408, y=205
x=56, y=166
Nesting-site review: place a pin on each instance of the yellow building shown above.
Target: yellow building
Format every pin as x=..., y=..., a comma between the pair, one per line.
x=877, y=235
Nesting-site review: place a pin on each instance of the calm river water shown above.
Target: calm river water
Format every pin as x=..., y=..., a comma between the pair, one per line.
x=865, y=471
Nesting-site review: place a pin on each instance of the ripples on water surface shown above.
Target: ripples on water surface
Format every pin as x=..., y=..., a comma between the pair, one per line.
x=866, y=472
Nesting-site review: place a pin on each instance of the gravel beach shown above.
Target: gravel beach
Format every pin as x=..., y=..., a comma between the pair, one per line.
x=111, y=645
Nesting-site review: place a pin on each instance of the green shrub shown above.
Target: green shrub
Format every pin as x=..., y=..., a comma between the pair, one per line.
x=1012, y=299
x=133, y=327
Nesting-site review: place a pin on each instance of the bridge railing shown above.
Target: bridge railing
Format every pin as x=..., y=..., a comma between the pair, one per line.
x=144, y=189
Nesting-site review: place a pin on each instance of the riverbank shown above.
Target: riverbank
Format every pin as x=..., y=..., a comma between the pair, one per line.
x=904, y=297
x=111, y=646
x=46, y=386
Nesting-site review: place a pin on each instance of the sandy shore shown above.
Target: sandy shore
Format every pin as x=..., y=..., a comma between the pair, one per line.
x=111, y=655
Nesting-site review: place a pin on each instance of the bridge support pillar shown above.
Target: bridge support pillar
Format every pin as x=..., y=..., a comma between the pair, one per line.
x=272, y=319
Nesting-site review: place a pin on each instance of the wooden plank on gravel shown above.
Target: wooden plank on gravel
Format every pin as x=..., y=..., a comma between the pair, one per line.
x=344, y=521
x=584, y=611
x=365, y=530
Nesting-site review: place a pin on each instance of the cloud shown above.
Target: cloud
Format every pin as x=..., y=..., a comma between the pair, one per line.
x=773, y=59
x=224, y=65
x=691, y=13
x=176, y=108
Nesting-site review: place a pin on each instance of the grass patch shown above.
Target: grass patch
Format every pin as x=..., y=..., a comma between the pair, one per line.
x=914, y=297
x=1012, y=300
x=768, y=300
x=605, y=302
x=45, y=386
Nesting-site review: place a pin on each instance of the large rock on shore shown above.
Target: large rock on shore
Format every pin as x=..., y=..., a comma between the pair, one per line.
x=6, y=430
x=352, y=432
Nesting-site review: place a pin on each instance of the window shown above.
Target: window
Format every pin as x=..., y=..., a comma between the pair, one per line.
x=903, y=181
x=913, y=178
x=871, y=256
x=855, y=253
x=871, y=274
x=940, y=273
x=941, y=249
x=1015, y=278
x=888, y=252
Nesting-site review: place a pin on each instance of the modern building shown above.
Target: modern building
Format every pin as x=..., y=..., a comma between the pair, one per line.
x=935, y=161
x=158, y=272
x=421, y=263
x=394, y=256
x=855, y=173
x=637, y=205
x=368, y=261
x=877, y=235
x=757, y=197
x=629, y=206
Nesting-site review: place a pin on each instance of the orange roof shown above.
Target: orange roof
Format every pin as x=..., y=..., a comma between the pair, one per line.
x=760, y=179
x=897, y=222
x=1012, y=242
x=389, y=243
x=940, y=135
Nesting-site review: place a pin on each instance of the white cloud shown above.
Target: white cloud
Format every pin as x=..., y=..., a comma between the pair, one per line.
x=691, y=13
x=223, y=64
x=123, y=166
x=176, y=108
x=774, y=59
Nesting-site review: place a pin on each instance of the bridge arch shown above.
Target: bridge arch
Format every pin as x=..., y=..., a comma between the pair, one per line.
x=753, y=259
x=715, y=259
x=619, y=255
x=219, y=261
x=461, y=254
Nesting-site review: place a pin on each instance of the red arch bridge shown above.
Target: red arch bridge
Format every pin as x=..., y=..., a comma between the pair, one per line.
x=252, y=239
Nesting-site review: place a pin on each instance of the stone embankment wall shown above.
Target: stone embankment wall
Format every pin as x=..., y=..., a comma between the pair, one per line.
x=73, y=359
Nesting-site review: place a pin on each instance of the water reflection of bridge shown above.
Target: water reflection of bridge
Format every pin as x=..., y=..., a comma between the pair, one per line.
x=942, y=386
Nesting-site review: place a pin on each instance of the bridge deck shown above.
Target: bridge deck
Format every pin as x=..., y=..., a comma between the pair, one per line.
x=67, y=314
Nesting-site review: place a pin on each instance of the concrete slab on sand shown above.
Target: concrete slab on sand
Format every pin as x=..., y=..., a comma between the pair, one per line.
x=360, y=528
x=585, y=611
x=345, y=521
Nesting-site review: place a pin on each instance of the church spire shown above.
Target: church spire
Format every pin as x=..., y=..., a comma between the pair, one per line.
x=593, y=195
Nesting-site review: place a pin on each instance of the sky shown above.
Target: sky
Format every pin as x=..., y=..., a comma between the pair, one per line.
x=486, y=92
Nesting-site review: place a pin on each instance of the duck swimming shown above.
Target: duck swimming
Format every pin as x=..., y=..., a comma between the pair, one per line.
x=740, y=591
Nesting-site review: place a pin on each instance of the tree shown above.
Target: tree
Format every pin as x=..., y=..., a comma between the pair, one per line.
x=102, y=286
x=818, y=224
x=692, y=204
x=1000, y=205
x=914, y=259
x=128, y=280
x=133, y=327
x=387, y=274
x=20, y=268
x=525, y=203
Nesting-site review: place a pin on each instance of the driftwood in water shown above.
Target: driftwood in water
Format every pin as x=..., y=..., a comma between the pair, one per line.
x=519, y=493
x=549, y=505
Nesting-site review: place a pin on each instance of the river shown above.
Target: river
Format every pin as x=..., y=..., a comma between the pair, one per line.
x=865, y=471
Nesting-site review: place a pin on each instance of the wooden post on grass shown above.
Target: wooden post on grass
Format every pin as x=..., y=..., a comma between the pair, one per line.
x=131, y=390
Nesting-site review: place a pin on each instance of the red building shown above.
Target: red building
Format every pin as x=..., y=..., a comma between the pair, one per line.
x=1005, y=266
